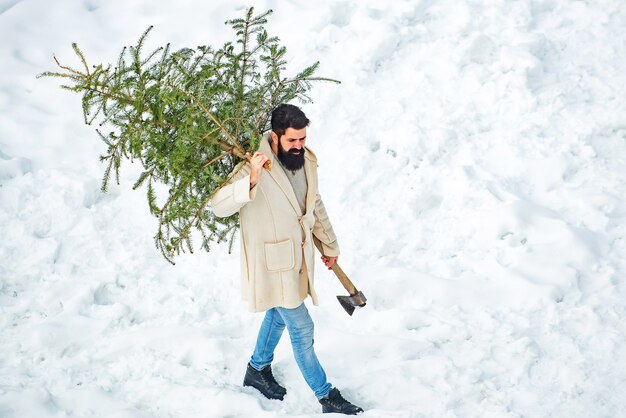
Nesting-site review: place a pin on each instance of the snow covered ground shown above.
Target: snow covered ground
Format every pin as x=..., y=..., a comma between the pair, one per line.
x=472, y=161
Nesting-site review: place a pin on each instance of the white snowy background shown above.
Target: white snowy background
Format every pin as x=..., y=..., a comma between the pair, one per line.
x=473, y=163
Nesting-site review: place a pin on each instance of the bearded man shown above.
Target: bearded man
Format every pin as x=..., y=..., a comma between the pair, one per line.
x=279, y=212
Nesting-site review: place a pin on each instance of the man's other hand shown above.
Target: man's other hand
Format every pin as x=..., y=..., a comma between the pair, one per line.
x=329, y=261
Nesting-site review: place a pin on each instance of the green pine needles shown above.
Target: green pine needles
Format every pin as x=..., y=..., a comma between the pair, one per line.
x=189, y=117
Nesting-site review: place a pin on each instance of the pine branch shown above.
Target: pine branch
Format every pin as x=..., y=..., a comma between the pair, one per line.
x=219, y=157
x=241, y=153
x=82, y=58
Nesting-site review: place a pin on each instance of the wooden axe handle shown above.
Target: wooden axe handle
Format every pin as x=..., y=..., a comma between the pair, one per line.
x=343, y=278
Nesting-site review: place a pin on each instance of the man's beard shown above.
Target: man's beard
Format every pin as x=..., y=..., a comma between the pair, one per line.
x=290, y=159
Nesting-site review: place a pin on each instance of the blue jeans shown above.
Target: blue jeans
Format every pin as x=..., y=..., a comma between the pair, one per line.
x=300, y=327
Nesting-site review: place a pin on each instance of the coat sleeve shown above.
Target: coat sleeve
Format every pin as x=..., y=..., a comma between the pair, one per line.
x=235, y=194
x=323, y=230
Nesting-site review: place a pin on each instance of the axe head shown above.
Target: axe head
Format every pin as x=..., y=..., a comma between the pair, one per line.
x=350, y=303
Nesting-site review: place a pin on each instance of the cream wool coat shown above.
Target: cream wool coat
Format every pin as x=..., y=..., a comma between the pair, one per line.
x=277, y=250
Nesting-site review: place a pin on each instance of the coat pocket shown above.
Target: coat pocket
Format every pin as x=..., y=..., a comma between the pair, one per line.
x=279, y=256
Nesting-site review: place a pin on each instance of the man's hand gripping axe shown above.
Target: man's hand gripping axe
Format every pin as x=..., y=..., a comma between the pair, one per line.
x=356, y=298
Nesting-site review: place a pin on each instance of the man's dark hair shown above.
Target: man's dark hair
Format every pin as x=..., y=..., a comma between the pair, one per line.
x=288, y=116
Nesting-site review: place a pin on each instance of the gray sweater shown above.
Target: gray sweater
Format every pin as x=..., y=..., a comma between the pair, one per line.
x=298, y=182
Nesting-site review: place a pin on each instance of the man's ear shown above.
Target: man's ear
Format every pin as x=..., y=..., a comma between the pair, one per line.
x=274, y=137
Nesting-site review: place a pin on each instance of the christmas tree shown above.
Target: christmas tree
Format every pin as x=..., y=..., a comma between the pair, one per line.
x=190, y=117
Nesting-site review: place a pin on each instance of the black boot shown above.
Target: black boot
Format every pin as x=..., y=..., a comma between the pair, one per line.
x=264, y=381
x=336, y=403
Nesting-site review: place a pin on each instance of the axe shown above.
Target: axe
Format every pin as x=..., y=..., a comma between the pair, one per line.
x=356, y=298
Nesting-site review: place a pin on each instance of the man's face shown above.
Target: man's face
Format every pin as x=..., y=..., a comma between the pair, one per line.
x=291, y=148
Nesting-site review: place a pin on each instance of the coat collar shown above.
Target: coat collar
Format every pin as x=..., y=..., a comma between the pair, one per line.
x=279, y=176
